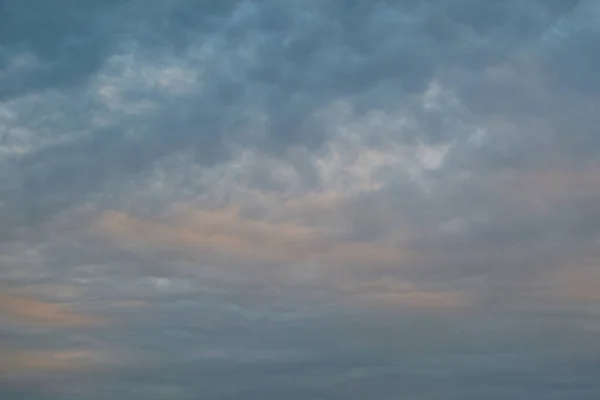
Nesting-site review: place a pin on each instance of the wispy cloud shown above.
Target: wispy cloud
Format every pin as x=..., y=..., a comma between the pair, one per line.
x=17, y=362
x=28, y=310
x=224, y=232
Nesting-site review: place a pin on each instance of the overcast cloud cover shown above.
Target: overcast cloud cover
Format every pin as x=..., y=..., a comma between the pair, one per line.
x=311, y=199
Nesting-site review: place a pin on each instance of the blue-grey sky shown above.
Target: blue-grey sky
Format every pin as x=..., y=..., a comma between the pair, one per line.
x=311, y=199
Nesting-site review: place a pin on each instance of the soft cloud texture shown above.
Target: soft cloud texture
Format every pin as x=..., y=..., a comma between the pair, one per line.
x=326, y=199
x=35, y=311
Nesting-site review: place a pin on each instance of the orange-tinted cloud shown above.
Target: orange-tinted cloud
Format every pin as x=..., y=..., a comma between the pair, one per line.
x=29, y=310
x=421, y=299
x=580, y=284
x=225, y=232
x=410, y=295
x=540, y=190
x=24, y=361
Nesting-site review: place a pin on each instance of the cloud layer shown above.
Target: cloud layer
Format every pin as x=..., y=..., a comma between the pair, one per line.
x=318, y=199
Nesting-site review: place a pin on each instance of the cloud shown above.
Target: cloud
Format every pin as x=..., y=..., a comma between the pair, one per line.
x=16, y=362
x=29, y=310
x=407, y=295
x=242, y=84
x=578, y=283
x=225, y=232
x=317, y=199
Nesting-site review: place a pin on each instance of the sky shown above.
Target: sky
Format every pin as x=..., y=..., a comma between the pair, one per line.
x=313, y=199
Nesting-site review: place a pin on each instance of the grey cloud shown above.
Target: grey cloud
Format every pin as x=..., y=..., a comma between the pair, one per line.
x=134, y=106
x=68, y=41
x=414, y=357
x=319, y=55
